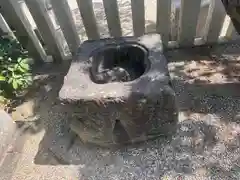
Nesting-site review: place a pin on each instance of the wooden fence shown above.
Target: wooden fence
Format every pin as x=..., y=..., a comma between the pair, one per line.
x=42, y=41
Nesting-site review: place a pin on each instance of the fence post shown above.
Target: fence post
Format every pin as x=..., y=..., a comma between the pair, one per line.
x=65, y=19
x=46, y=28
x=88, y=18
x=163, y=19
x=138, y=17
x=23, y=31
x=188, y=21
x=4, y=28
x=215, y=18
x=112, y=15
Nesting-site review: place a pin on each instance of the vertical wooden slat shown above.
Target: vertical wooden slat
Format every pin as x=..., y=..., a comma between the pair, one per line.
x=231, y=31
x=112, y=15
x=138, y=17
x=88, y=18
x=4, y=28
x=163, y=19
x=66, y=22
x=46, y=28
x=188, y=21
x=14, y=16
x=174, y=24
x=215, y=18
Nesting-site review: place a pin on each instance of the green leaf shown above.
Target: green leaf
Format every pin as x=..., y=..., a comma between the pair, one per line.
x=19, y=81
x=15, y=84
x=10, y=69
x=2, y=99
x=25, y=66
x=19, y=59
x=14, y=66
x=10, y=80
x=18, y=76
x=2, y=78
x=22, y=69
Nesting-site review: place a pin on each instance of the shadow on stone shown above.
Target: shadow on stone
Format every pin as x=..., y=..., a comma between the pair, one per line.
x=138, y=94
x=197, y=142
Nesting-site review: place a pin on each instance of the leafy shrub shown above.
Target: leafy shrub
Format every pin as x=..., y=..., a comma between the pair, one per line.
x=15, y=73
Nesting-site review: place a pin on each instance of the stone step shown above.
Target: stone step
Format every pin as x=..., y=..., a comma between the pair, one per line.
x=8, y=130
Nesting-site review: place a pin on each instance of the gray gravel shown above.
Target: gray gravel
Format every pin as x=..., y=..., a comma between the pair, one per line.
x=205, y=144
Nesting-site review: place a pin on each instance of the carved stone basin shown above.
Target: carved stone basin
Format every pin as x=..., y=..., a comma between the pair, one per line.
x=118, y=91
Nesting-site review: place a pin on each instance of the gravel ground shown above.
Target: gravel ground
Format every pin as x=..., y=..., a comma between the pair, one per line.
x=204, y=146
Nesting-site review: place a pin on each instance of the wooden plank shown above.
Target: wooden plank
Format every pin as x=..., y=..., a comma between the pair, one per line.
x=5, y=29
x=138, y=17
x=174, y=24
x=215, y=18
x=163, y=19
x=112, y=15
x=231, y=31
x=88, y=18
x=46, y=28
x=16, y=18
x=188, y=21
x=66, y=22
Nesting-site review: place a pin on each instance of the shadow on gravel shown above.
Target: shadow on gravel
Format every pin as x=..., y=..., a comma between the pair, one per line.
x=206, y=142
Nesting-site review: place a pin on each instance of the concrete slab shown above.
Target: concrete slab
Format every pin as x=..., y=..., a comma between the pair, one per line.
x=7, y=132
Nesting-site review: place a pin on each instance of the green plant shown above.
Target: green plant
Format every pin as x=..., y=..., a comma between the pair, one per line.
x=15, y=73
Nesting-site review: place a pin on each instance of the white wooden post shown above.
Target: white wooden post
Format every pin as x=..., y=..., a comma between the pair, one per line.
x=188, y=21
x=231, y=31
x=88, y=18
x=4, y=26
x=163, y=19
x=46, y=28
x=15, y=17
x=112, y=15
x=138, y=17
x=174, y=24
x=65, y=19
x=215, y=18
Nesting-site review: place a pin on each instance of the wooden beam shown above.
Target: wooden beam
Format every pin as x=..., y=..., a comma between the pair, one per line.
x=112, y=15
x=188, y=21
x=88, y=18
x=138, y=17
x=215, y=19
x=66, y=22
x=163, y=19
x=15, y=18
x=46, y=28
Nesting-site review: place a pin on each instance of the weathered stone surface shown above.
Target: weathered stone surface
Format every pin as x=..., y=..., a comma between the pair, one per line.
x=120, y=112
x=7, y=131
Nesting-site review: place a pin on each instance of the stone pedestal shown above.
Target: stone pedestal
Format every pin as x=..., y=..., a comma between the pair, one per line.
x=136, y=105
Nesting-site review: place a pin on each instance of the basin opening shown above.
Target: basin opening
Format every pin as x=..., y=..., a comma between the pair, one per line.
x=118, y=63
